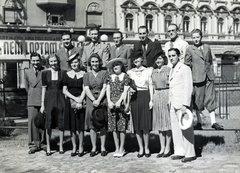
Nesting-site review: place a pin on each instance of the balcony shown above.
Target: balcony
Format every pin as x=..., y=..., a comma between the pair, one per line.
x=55, y=3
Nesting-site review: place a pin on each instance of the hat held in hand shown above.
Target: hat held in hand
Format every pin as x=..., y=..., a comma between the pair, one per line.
x=186, y=120
x=99, y=117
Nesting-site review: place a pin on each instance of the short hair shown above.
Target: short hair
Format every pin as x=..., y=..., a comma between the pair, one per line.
x=118, y=63
x=175, y=50
x=118, y=32
x=35, y=54
x=164, y=57
x=174, y=24
x=94, y=28
x=53, y=55
x=66, y=33
x=143, y=27
x=196, y=31
x=95, y=55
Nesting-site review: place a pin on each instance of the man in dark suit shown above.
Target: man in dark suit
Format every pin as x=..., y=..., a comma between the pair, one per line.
x=120, y=50
x=33, y=86
x=67, y=50
x=147, y=46
x=199, y=58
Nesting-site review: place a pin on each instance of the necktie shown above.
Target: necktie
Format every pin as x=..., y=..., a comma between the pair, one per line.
x=36, y=72
x=92, y=48
x=201, y=50
x=144, y=55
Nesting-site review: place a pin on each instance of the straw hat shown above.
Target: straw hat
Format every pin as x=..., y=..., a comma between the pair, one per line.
x=110, y=63
x=186, y=120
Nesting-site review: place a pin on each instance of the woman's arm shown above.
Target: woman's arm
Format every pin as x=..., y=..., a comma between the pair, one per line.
x=110, y=103
x=44, y=88
x=150, y=90
x=102, y=94
x=68, y=94
x=89, y=93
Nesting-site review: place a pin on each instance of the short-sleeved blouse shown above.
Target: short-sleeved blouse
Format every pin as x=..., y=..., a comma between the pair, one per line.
x=142, y=77
x=160, y=77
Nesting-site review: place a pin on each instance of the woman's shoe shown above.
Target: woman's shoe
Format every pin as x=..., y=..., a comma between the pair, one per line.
x=81, y=154
x=103, y=153
x=160, y=155
x=121, y=154
x=167, y=155
x=140, y=155
x=61, y=152
x=73, y=154
x=93, y=153
x=48, y=153
x=147, y=155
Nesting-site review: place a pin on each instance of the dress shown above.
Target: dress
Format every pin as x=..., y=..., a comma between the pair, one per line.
x=74, y=120
x=116, y=119
x=141, y=115
x=54, y=101
x=95, y=85
x=161, y=114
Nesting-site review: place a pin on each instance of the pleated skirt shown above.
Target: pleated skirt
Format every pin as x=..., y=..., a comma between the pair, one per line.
x=141, y=115
x=161, y=114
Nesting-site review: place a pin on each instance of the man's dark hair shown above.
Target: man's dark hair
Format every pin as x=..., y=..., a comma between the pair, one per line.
x=143, y=27
x=175, y=50
x=35, y=54
x=174, y=24
x=66, y=33
x=196, y=31
x=119, y=32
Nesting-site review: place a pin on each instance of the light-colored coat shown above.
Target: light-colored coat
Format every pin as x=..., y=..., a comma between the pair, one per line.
x=200, y=63
x=181, y=86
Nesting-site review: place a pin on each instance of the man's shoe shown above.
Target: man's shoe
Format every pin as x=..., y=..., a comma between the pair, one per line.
x=167, y=155
x=188, y=159
x=177, y=157
x=217, y=126
x=34, y=150
x=198, y=126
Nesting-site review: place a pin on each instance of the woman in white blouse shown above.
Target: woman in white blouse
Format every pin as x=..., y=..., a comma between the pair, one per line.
x=141, y=105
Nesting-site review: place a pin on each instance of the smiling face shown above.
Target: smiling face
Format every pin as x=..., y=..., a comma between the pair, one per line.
x=66, y=40
x=94, y=35
x=35, y=61
x=142, y=34
x=138, y=62
x=53, y=63
x=197, y=39
x=75, y=64
x=94, y=63
x=159, y=62
x=117, y=38
x=172, y=32
x=173, y=57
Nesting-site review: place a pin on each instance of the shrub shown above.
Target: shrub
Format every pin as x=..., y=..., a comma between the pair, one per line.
x=6, y=131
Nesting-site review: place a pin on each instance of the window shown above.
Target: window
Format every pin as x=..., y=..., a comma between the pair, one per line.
x=186, y=22
x=236, y=26
x=55, y=20
x=204, y=24
x=11, y=75
x=11, y=15
x=149, y=22
x=168, y=21
x=94, y=13
x=129, y=22
x=220, y=23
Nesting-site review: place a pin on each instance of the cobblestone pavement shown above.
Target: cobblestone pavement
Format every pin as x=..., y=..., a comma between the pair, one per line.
x=16, y=160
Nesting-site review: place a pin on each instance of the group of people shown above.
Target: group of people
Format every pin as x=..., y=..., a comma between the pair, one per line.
x=102, y=89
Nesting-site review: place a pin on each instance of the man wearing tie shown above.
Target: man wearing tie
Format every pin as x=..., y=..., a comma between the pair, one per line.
x=119, y=50
x=147, y=46
x=175, y=42
x=95, y=46
x=33, y=86
x=199, y=59
x=67, y=50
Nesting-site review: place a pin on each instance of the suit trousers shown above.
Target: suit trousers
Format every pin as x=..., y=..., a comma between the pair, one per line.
x=34, y=134
x=183, y=140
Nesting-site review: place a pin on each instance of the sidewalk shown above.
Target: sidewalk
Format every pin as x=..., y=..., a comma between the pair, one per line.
x=14, y=158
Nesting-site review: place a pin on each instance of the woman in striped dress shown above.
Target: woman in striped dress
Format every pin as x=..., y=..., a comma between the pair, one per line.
x=161, y=114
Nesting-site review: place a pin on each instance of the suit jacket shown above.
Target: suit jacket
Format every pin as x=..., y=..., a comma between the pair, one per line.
x=33, y=86
x=101, y=49
x=151, y=50
x=123, y=52
x=200, y=63
x=181, y=86
x=63, y=56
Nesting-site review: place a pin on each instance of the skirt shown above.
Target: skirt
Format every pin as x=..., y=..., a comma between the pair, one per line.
x=161, y=113
x=141, y=115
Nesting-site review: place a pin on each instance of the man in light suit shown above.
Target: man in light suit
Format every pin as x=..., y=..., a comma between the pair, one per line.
x=199, y=59
x=33, y=86
x=67, y=50
x=119, y=50
x=147, y=46
x=95, y=46
x=175, y=42
x=180, y=83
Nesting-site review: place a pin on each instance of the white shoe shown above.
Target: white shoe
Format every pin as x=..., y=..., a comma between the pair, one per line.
x=115, y=154
x=121, y=154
